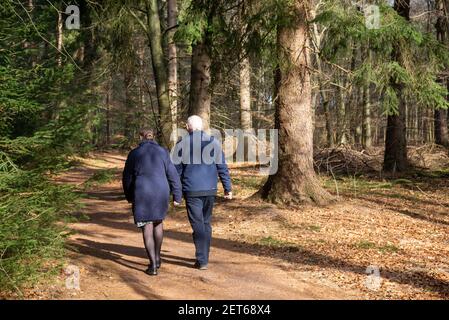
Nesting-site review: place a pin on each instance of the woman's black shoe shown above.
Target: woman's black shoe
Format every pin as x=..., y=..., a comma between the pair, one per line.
x=151, y=271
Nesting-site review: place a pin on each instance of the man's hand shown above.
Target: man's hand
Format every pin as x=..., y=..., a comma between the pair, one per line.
x=228, y=195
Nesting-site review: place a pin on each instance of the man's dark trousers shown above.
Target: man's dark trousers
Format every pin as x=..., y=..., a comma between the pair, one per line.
x=199, y=210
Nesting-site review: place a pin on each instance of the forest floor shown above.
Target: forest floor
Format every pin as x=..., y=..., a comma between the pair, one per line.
x=261, y=251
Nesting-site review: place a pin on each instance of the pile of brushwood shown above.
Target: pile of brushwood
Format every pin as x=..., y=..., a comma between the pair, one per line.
x=346, y=160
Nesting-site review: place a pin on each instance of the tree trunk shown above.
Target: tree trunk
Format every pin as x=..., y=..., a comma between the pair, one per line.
x=172, y=62
x=341, y=117
x=28, y=44
x=329, y=126
x=127, y=132
x=108, y=116
x=295, y=181
x=395, y=157
x=367, y=141
x=442, y=29
x=200, y=96
x=59, y=38
x=245, y=95
x=367, y=135
x=160, y=72
x=441, y=131
x=88, y=35
x=325, y=97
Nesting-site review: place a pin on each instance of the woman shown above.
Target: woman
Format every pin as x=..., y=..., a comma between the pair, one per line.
x=148, y=178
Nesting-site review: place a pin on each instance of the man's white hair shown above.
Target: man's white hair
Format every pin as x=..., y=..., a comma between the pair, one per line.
x=195, y=123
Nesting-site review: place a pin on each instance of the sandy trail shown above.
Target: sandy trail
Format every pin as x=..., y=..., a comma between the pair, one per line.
x=109, y=252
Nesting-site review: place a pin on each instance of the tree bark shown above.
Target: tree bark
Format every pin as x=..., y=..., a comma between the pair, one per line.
x=395, y=157
x=59, y=38
x=88, y=34
x=441, y=130
x=341, y=117
x=329, y=126
x=108, y=115
x=440, y=116
x=172, y=62
x=200, y=96
x=160, y=72
x=325, y=97
x=128, y=125
x=295, y=181
x=367, y=135
x=245, y=95
x=367, y=140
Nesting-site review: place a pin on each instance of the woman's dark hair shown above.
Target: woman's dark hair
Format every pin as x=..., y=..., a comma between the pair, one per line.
x=147, y=133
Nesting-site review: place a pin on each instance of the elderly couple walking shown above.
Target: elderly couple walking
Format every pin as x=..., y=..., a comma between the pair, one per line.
x=150, y=176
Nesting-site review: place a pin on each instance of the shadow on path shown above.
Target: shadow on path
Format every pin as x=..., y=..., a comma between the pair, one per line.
x=299, y=256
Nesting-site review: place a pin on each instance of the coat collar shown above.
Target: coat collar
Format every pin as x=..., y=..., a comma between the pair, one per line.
x=147, y=141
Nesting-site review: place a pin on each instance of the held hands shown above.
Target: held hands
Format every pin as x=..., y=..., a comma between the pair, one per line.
x=228, y=195
x=176, y=204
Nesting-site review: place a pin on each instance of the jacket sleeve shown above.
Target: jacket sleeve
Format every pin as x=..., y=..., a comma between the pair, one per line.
x=223, y=173
x=173, y=179
x=128, y=178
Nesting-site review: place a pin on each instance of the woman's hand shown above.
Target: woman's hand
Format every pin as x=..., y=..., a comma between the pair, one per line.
x=176, y=204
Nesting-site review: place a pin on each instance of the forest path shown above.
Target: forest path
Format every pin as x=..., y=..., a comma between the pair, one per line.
x=108, y=250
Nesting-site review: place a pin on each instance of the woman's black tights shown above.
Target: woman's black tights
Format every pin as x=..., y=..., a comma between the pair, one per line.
x=153, y=234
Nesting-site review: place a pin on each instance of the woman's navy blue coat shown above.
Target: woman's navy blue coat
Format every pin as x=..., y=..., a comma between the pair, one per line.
x=148, y=177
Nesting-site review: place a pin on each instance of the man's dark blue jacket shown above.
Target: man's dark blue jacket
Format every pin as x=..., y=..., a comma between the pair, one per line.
x=148, y=177
x=200, y=168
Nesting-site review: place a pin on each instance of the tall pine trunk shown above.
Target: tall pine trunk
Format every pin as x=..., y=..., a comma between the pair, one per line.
x=441, y=131
x=367, y=132
x=172, y=12
x=128, y=124
x=367, y=135
x=59, y=38
x=200, y=96
x=395, y=157
x=245, y=95
x=295, y=181
x=160, y=72
x=341, y=116
x=441, y=121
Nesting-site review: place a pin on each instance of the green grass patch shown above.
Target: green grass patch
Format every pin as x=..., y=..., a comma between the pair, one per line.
x=279, y=244
x=402, y=182
x=356, y=184
x=314, y=228
x=438, y=174
x=388, y=248
x=366, y=245
x=250, y=182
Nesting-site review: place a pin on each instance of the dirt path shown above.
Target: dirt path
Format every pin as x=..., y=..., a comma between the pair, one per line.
x=109, y=252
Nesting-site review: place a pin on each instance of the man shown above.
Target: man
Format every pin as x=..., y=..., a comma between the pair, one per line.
x=199, y=176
